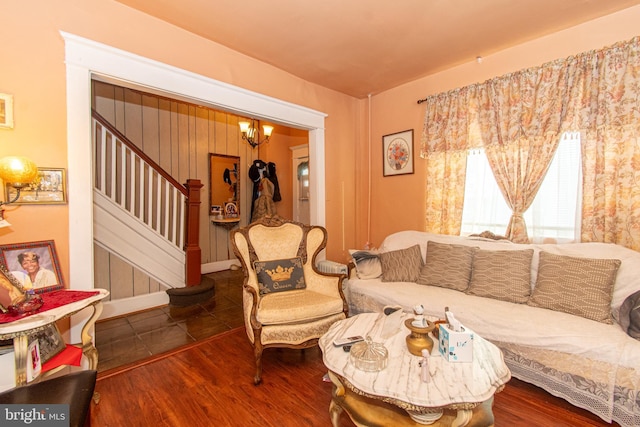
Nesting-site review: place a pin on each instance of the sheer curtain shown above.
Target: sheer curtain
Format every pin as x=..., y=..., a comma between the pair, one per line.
x=554, y=214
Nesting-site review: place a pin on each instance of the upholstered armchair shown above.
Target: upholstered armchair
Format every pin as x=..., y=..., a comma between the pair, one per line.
x=286, y=301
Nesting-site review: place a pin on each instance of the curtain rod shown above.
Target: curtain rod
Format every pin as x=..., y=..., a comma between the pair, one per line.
x=561, y=61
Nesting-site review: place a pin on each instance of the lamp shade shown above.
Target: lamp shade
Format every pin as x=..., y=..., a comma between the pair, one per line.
x=267, y=130
x=18, y=171
x=244, y=126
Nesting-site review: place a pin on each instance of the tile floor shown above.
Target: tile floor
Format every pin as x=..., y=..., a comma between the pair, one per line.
x=129, y=339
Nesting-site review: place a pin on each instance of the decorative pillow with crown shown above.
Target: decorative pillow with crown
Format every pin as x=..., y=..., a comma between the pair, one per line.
x=280, y=275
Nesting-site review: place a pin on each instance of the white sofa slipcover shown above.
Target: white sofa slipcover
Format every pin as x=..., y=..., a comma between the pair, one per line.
x=593, y=365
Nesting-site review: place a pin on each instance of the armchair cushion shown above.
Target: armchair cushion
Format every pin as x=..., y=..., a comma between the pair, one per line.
x=296, y=306
x=279, y=275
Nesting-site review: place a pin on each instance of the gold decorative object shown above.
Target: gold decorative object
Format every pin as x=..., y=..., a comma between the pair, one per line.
x=419, y=337
x=18, y=171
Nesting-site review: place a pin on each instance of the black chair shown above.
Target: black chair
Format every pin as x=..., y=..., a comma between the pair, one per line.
x=74, y=389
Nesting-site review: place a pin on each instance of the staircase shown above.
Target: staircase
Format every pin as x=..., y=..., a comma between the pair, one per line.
x=140, y=211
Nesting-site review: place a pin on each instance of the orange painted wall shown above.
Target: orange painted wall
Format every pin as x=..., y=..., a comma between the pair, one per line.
x=33, y=71
x=398, y=201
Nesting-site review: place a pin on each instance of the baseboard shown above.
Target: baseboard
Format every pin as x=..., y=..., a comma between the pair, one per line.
x=129, y=305
x=212, y=267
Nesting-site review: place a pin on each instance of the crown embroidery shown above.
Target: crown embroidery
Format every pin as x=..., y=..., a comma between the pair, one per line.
x=280, y=274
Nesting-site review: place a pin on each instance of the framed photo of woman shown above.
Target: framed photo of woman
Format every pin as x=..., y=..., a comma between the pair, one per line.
x=34, y=265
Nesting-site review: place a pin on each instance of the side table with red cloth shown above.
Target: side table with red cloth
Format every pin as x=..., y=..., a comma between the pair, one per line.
x=51, y=300
x=57, y=305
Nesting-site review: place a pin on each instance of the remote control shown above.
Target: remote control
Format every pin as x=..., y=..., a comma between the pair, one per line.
x=339, y=342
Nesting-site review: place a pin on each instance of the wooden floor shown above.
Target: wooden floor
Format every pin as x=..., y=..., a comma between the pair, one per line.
x=210, y=383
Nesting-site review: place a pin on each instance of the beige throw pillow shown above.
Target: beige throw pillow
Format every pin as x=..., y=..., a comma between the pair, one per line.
x=402, y=265
x=503, y=275
x=447, y=266
x=580, y=286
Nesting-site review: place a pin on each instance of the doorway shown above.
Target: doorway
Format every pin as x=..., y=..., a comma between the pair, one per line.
x=85, y=59
x=301, y=183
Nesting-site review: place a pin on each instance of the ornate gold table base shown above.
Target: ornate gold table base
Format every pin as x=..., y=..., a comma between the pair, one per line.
x=20, y=330
x=20, y=345
x=371, y=412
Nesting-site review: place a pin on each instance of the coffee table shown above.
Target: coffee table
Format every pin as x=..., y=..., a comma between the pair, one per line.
x=458, y=394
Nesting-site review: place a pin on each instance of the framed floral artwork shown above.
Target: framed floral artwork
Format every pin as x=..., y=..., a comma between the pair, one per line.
x=35, y=265
x=397, y=153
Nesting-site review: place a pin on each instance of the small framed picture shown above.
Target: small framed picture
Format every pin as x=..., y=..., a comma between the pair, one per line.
x=34, y=361
x=49, y=188
x=216, y=210
x=11, y=291
x=6, y=111
x=397, y=153
x=230, y=210
x=34, y=265
x=50, y=342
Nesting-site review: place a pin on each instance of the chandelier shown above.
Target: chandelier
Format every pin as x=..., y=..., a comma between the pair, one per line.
x=251, y=133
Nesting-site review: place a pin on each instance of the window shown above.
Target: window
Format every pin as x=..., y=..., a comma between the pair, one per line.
x=555, y=212
x=303, y=177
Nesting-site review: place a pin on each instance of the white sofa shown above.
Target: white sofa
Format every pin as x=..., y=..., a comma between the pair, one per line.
x=593, y=365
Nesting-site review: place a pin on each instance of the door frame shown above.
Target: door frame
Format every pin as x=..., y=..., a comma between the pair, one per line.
x=86, y=59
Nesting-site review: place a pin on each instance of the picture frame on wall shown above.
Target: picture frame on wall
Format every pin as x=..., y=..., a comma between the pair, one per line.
x=33, y=264
x=6, y=111
x=49, y=188
x=397, y=153
x=11, y=291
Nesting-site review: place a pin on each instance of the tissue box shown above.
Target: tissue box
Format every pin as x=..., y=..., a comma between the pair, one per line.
x=455, y=346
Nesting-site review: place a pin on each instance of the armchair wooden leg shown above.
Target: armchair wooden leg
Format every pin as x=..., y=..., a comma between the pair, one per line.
x=257, y=353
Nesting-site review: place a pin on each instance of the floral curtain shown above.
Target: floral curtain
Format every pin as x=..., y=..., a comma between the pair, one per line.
x=519, y=117
x=605, y=106
x=520, y=132
x=445, y=139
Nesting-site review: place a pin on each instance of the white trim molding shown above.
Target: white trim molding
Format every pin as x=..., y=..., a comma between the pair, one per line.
x=86, y=59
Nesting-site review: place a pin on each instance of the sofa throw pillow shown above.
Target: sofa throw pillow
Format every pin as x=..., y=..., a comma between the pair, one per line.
x=580, y=286
x=630, y=315
x=279, y=275
x=447, y=266
x=502, y=275
x=367, y=263
x=402, y=265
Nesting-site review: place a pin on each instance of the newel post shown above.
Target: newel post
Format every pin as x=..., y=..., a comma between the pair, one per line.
x=192, y=233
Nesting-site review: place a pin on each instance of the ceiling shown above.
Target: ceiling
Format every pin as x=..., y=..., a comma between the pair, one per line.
x=361, y=47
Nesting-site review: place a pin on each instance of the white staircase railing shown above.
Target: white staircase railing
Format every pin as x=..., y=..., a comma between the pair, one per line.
x=132, y=196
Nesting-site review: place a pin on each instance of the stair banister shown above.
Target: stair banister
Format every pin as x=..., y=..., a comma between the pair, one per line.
x=189, y=215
